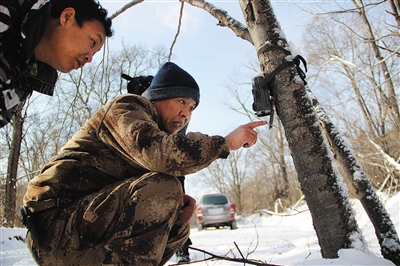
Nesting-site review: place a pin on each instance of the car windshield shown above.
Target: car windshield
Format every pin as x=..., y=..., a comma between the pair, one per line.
x=215, y=200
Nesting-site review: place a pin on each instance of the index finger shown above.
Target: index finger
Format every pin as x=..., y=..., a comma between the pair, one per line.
x=256, y=124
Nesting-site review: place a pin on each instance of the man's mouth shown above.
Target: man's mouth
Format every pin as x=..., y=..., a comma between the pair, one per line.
x=178, y=124
x=80, y=63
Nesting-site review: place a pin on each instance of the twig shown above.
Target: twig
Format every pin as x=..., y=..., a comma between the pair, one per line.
x=238, y=249
x=177, y=33
x=258, y=239
x=309, y=250
x=125, y=7
x=239, y=260
x=281, y=214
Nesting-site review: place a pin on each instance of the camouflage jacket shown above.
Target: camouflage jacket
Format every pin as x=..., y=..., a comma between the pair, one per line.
x=22, y=25
x=121, y=140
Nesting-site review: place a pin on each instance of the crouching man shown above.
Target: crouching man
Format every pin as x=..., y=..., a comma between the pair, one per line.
x=111, y=196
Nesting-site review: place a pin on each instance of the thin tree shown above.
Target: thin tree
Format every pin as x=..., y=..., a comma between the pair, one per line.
x=12, y=176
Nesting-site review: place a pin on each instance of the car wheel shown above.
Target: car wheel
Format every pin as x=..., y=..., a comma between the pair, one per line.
x=234, y=225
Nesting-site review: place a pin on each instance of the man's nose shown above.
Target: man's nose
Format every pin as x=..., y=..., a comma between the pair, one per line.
x=185, y=112
x=89, y=57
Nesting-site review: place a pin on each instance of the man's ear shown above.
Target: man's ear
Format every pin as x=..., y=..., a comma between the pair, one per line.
x=67, y=16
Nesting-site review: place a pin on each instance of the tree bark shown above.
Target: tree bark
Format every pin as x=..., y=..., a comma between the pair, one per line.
x=364, y=191
x=395, y=11
x=12, y=169
x=321, y=184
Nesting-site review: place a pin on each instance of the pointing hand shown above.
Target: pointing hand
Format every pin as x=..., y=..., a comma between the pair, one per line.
x=244, y=136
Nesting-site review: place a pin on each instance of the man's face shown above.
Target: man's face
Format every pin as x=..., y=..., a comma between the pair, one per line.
x=74, y=46
x=174, y=114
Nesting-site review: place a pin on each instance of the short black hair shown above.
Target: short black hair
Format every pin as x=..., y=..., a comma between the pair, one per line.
x=85, y=10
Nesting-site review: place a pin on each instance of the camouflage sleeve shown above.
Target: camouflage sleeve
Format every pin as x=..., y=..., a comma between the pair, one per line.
x=131, y=120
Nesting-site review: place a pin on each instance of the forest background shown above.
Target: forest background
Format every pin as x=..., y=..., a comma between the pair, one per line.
x=353, y=70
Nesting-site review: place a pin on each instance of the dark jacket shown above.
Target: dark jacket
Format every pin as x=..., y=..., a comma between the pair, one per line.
x=20, y=74
x=121, y=140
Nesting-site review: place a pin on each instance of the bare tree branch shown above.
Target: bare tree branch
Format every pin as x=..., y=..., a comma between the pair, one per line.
x=224, y=19
x=125, y=7
x=177, y=33
x=387, y=157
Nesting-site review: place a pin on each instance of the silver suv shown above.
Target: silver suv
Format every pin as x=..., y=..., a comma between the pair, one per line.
x=215, y=210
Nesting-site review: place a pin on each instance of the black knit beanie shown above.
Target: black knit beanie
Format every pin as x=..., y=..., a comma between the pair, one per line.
x=171, y=81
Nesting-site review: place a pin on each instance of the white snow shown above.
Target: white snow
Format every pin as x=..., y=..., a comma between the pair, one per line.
x=288, y=239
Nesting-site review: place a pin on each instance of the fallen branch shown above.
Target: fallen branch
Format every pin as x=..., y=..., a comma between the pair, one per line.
x=217, y=257
x=284, y=214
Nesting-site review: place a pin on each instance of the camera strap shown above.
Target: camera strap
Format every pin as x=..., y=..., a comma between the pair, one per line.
x=297, y=60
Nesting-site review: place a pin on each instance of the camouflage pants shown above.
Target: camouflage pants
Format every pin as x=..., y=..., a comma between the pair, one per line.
x=128, y=223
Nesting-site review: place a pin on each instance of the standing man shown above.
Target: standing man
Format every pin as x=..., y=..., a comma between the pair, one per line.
x=39, y=37
x=111, y=195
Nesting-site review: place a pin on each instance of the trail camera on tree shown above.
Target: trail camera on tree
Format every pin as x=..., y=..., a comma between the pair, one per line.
x=263, y=104
x=137, y=85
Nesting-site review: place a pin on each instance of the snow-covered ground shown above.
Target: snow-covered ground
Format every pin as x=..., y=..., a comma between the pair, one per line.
x=280, y=240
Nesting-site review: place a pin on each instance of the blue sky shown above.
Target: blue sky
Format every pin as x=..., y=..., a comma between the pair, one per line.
x=210, y=53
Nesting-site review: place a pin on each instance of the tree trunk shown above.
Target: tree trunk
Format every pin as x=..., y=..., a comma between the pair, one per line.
x=12, y=169
x=395, y=11
x=321, y=184
x=282, y=162
x=364, y=191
